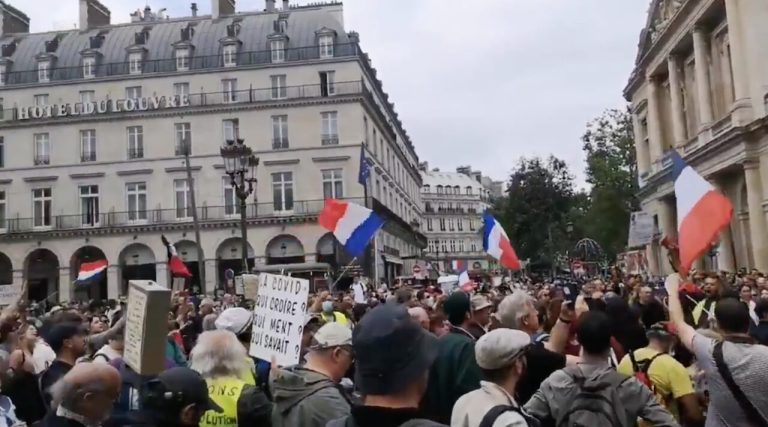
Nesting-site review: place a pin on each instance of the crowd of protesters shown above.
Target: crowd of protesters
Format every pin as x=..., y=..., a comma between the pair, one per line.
x=531, y=352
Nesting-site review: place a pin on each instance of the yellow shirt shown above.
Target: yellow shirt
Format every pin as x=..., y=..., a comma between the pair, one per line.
x=225, y=392
x=669, y=377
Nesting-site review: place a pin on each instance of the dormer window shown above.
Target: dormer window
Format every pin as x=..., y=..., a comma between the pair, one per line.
x=44, y=71
x=182, y=59
x=134, y=62
x=277, y=47
x=89, y=67
x=229, y=54
x=326, y=46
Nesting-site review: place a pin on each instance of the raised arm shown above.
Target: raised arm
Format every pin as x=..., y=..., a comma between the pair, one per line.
x=684, y=330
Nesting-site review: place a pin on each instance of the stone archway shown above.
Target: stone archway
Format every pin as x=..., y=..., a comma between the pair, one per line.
x=284, y=249
x=6, y=270
x=41, y=270
x=97, y=289
x=229, y=256
x=137, y=262
x=187, y=251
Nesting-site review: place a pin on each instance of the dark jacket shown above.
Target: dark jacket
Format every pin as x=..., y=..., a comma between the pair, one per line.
x=454, y=374
x=760, y=332
x=372, y=416
x=53, y=420
x=306, y=398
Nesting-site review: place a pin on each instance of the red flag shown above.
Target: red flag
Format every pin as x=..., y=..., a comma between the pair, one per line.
x=175, y=265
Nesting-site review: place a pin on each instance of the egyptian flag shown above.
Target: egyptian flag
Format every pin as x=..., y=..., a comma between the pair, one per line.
x=91, y=272
x=175, y=265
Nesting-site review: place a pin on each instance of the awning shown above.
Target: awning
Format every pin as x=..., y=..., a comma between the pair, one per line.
x=392, y=259
x=294, y=268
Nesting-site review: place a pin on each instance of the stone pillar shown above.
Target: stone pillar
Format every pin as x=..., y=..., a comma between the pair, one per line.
x=757, y=225
x=668, y=225
x=113, y=282
x=653, y=259
x=211, y=277
x=742, y=105
x=17, y=278
x=655, y=135
x=701, y=54
x=676, y=94
x=725, y=258
x=161, y=274
x=641, y=150
x=65, y=285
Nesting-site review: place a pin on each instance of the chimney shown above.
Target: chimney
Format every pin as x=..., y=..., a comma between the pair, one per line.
x=221, y=8
x=286, y=5
x=271, y=6
x=93, y=14
x=12, y=20
x=194, y=9
x=423, y=166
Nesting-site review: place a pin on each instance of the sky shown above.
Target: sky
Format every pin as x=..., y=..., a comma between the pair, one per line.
x=478, y=83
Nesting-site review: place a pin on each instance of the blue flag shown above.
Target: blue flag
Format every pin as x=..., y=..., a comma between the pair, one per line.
x=365, y=167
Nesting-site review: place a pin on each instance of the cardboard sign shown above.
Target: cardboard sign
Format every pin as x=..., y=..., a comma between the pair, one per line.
x=250, y=286
x=239, y=286
x=278, y=319
x=9, y=294
x=145, y=327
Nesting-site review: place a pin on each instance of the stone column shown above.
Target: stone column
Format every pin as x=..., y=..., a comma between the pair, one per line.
x=211, y=277
x=641, y=150
x=701, y=54
x=668, y=226
x=161, y=274
x=675, y=92
x=113, y=282
x=653, y=259
x=742, y=105
x=65, y=285
x=17, y=278
x=725, y=258
x=655, y=135
x=757, y=227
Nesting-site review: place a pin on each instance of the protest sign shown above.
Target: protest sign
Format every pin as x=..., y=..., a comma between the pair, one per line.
x=640, y=229
x=239, y=286
x=250, y=286
x=145, y=327
x=9, y=294
x=278, y=321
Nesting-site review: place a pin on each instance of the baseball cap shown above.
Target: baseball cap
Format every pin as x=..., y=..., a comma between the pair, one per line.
x=331, y=335
x=500, y=347
x=480, y=302
x=174, y=389
x=236, y=320
x=391, y=350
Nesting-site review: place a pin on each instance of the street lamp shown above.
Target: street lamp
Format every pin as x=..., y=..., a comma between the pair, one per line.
x=241, y=165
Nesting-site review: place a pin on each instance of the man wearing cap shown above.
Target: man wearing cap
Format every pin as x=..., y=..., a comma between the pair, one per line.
x=455, y=371
x=481, y=315
x=239, y=321
x=68, y=341
x=393, y=358
x=500, y=355
x=310, y=395
x=669, y=377
x=178, y=397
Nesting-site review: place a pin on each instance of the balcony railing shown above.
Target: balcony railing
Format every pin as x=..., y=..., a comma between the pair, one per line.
x=135, y=153
x=42, y=159
x=329, y=140
x=166, y=216
x=88, y=157
x=279, y=143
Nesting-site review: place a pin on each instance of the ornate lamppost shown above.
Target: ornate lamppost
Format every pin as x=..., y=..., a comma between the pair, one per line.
x=241, y=165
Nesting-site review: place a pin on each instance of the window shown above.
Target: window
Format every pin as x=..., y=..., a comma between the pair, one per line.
x=473, y=246
x=231, y=202
x=326, y=46
x=278, y=86
x=182, y=59
x=134, y=63
x=89, y=205
x=42, y=149
x=135, y=142
x=88, y=145
x=183, y=138
x=451, y=224
x=89, y=67
x=365, y=130
x=229, y=88
x=448, y=191
x=231, y=129
x=2, y=152
x=3, y=75
x=378, y=189
x=2, y=211
x=181, y=90
x=453, y=246
x=460, y=224
x=330, y=125
x=375, y=146
x=133, y=92
x=333, y=184
x=41, y=100
x=429, y=224
x=442, y=224
x=41, y=207
x=183, y=199
x=469, y=191
x=443, y=246
x=277, y=47
x=327, y=83
x=439, y=189
x=282, y=191
x=43, y=71
x=87, y=96
x=229, y=53
x=137, y=201
x=279, y=132
x=461, y=246
x=471, y=224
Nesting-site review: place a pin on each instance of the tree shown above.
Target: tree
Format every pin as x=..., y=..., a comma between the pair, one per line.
x=612, y=172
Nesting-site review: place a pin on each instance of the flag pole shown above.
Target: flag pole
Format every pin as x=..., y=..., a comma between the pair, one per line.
x=346, y=267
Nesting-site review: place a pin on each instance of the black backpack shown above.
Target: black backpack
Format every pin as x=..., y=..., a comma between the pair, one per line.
x=494, y=413
x=596, y=403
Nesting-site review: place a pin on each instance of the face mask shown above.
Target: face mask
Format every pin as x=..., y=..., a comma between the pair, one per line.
x=328, y=306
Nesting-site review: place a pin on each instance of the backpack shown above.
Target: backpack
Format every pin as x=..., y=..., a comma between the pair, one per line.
x=494, y=413
x=640, y=372
x=596, y=403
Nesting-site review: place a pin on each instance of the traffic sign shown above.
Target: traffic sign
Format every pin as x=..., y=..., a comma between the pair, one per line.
x=229, y=274
x=416, y=269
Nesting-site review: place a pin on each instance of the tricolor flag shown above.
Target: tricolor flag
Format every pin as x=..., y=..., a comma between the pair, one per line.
x=702, y=212
x=496, y=243
x=353, y=225
x=91, y=272
x=465, y=283
x=459, y=264
x=175, y=265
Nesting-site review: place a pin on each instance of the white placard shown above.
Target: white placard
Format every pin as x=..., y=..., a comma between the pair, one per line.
x=250, y=286
x=239, y=286
x=9, y=294
x=134, y=327
x=640, y=229
x=278, y=319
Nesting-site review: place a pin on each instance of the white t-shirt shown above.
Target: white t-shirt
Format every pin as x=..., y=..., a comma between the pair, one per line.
x=359, y=290
x=42, y=356
x=108, y=354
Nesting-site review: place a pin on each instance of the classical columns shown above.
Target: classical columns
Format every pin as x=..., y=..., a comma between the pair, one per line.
x=161, y=274
x=701, y=55
x=653, y=260
x=742, y=104
x=757, y=227
x=668, y=226
x=676, y=95
x=65, y=285
x=113, y=282
x=725, y=258
x=655, y=136
x=641, y=149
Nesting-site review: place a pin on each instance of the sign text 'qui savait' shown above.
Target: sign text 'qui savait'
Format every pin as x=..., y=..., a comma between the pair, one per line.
x=102, y=107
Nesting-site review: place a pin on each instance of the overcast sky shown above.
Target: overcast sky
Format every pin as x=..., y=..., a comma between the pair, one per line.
x=478, y=82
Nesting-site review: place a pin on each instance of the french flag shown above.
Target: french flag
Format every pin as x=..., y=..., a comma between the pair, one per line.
x=353, y=225
x=702, y=212
x=175, y=265
x=459, y=264
x=91, y=271
x=465, y=283
x=496, y=243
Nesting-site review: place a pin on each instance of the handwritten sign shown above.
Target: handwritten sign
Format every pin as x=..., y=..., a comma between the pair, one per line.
x=9, y=294
x=250, y=286
x=278, y=320
x=147, y=311
x=239, y=286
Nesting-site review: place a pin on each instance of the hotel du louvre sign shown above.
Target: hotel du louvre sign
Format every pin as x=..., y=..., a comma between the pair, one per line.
x=105, y=106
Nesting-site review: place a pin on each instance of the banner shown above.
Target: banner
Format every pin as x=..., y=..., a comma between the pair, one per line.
x=9, y=294
x=250, y=286
x=278, y=318
x=640, y=229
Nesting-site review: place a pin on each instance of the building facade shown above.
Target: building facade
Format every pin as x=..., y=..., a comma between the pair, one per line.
x=95, y=123
x=454, y=203
x=700, y=86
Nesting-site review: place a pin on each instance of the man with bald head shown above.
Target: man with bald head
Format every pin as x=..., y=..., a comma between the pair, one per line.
x=84, y=396
x=420, y=316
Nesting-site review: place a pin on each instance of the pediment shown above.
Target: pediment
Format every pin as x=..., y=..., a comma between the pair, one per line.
x=660, y=14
